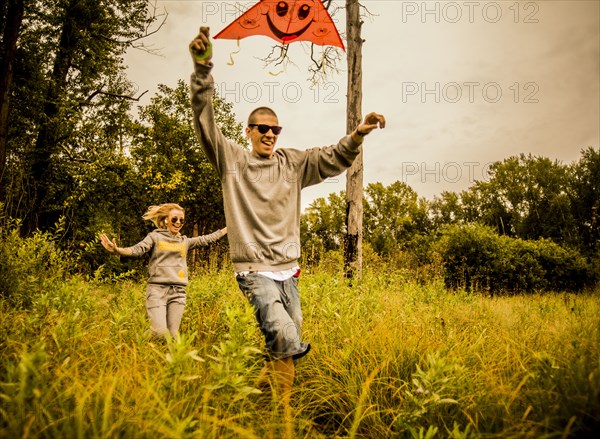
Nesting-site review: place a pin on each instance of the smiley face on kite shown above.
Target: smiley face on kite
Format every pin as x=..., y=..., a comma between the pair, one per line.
x=286, y=21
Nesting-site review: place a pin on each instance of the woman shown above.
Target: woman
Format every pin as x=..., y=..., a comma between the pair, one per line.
x=165, y=293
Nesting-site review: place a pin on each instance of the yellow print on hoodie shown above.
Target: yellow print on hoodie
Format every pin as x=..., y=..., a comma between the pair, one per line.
x=172, y=246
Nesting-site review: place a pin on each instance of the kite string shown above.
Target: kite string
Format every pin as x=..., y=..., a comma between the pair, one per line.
x=230, y=63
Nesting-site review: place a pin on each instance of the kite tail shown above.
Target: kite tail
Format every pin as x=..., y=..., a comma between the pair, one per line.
x=230, y=63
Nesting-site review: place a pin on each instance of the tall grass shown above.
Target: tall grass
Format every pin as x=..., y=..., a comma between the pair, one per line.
x=404, y=357
x=391, y=358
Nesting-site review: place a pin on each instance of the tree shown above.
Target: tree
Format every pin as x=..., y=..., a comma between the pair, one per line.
x=172, y=165
x=446, y=209
x=323, y=225
x=105, y=192
x=12, y=16
x=526, y=197
x=69, y=54
x=393, y=216
x=584, y=196
x=354, y=176
x=132, y=164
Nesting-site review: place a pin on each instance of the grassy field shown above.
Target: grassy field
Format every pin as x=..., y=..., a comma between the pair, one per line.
x=390, y=358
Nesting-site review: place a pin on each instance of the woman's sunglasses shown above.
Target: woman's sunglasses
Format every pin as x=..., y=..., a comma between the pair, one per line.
x=264, y=129
x=174, y=220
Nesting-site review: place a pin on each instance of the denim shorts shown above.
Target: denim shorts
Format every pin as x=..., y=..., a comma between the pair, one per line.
x=277, y=310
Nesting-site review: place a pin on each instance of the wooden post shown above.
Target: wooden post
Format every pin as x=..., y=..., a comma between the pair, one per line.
x=354, y=178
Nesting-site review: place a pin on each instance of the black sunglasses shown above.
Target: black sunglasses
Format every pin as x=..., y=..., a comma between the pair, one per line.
x=175, y=219
x=264, y=129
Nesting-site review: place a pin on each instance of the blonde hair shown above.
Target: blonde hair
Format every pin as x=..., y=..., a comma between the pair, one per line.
x=158, y=214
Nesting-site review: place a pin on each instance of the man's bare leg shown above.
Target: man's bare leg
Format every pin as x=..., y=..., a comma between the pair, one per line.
x=263, y=381
x=281, y=371
x=279, y=376
x=284, y=372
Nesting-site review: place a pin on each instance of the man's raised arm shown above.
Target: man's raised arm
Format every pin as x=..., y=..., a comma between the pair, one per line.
x=202, y=90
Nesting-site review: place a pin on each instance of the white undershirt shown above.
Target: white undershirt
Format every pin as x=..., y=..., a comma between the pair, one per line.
x=275, y=275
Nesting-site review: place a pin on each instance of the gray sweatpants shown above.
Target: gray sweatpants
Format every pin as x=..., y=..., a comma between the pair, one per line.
x=164, y=305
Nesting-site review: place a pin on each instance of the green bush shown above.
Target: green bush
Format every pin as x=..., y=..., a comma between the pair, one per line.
x=476, y=258
x=566, y=269
x=30, y=266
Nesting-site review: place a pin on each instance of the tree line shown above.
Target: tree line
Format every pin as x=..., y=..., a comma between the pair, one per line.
x=528, y=207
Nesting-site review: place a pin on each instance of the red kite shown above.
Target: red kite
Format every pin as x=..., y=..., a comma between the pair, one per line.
x=286, y=21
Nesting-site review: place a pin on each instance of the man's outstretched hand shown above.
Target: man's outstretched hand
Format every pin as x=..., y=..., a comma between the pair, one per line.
x=371, y=122
x=200, y=47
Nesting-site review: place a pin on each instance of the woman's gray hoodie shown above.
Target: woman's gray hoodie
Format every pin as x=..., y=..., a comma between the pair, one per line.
x=168, y=263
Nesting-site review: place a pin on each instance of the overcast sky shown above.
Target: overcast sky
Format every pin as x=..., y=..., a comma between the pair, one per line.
x=461, y=83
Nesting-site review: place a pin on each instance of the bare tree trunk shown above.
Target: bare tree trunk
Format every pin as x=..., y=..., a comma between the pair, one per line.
x=354, y=178
x=13, y=13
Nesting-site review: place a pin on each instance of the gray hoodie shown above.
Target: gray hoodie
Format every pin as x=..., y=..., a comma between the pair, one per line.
x=168, y=265
x=261, y=196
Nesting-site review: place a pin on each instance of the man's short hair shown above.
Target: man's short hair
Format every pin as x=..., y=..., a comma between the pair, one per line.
x=259, y=111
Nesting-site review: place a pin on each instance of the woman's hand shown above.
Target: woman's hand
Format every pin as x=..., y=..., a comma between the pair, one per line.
x=110, y=246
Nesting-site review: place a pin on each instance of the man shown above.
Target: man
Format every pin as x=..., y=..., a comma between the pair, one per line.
x=261, y=195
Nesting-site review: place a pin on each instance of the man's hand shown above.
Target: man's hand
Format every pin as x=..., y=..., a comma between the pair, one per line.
x=371, y=122
x=201, y=47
